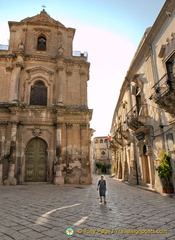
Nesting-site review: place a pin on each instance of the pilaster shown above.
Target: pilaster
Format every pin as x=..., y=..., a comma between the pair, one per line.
x=58, y=179
x=59, y=85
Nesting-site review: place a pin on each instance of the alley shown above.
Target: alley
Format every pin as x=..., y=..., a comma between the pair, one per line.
x=45, y=211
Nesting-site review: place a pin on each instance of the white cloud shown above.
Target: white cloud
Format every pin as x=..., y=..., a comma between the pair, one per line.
x=4, y=39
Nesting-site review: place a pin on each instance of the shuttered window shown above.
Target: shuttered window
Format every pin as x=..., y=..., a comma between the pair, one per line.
x=38, y=95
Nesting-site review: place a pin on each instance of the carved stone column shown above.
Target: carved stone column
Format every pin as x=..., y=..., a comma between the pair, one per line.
x=58, y=180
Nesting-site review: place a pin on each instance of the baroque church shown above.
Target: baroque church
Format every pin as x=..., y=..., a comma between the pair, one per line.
x=45, y=129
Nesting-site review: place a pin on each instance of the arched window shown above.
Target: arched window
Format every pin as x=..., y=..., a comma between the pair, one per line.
x=38, y=94
x=41, y=45
x=101, y=140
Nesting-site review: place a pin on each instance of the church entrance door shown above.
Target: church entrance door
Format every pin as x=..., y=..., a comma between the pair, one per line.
x=36, y=161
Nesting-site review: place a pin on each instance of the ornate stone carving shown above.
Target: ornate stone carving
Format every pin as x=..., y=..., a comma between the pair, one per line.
x=39, y=69
x=83, y=125
x=82, y=73
x=36, y=132
x=37, y=113
x=21, y=47
x=69, y=125
x=9, y=68
x=69, y=73
x=59, y=68
x=60, y=51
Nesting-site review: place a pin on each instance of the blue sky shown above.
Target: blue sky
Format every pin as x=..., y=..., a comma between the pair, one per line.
x=109, y=30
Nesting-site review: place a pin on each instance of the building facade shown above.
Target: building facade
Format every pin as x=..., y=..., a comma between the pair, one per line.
x=143, y=121
x=44, y=116
x=101, y=153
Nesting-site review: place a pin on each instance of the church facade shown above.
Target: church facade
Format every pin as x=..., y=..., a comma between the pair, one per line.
x=44, y=116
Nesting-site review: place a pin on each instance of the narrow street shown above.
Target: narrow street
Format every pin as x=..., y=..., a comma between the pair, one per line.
x=45, y=211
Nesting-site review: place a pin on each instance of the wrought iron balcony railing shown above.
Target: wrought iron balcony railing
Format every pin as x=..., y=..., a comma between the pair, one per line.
x=162, y=87
x=137, y=111
x=137, y=116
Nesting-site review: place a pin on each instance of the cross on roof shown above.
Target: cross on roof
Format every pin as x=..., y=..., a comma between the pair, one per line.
x=43, y=6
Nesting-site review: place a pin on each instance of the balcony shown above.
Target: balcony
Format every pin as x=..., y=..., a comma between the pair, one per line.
x=137, y=117
x=117, y=139
x=123, y=131
x=163, y=93
x=121, y=136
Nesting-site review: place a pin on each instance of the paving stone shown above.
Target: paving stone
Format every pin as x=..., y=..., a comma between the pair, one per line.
x=45, y=211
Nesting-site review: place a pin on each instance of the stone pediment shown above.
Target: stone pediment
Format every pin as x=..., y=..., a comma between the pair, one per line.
x=42, y=18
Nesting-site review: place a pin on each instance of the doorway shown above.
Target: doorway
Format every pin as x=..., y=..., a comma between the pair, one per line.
x=146, y=169
x=36, y=161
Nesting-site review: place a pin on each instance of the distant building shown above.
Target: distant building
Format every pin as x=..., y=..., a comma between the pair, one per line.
x=144, y=117
x=101, y=153
x=4, y=47
x=44, y=115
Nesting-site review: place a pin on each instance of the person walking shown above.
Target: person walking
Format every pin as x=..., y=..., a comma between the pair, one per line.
x=102, y=188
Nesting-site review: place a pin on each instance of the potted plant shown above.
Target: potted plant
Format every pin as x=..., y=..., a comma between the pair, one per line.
x=165, y=171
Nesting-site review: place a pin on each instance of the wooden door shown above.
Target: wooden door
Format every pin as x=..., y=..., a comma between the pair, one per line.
x=146, y=169
x=36, y=161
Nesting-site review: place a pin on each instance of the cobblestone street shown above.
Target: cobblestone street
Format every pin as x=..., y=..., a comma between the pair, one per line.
x=45, y=212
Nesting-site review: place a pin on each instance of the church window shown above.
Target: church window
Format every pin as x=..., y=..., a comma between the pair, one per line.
x=41, y=45
x=38, y=94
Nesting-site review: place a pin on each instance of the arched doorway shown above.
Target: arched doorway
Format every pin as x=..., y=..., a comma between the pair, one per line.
x=36, y=161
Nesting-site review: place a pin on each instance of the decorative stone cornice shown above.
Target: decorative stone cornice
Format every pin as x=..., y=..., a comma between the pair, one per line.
x=40, y=58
